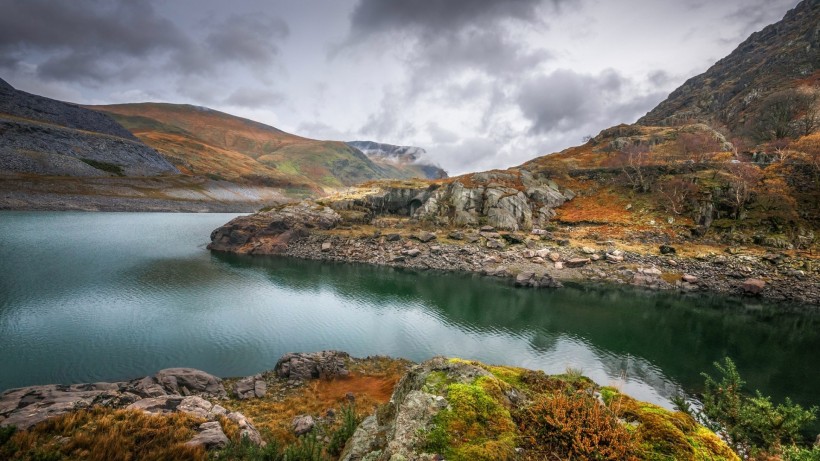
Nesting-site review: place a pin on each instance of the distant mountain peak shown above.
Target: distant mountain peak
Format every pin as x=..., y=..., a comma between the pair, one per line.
x=391, y=153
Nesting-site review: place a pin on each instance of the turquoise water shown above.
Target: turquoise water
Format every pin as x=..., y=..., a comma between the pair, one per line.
x=111, y=296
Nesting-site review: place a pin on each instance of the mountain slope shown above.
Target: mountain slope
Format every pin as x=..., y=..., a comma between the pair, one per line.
x=734, y=91
x=202, y=141
x=45, y=136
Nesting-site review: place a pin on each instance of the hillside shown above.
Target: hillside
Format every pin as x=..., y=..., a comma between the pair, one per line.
x=740, y=91
x=48, y=137
x=201, y=141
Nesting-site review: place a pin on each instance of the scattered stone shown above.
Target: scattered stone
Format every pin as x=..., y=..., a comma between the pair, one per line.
x=425, y=237
x=559, y=265
x=302, y=424
x=513, y=238
x=613, y=258
x=577, y=262
x=250, y=386
x=472, y=238
x=554, y=257
x=689, y=278
x=494, y=244
x=539, y=232
x=753, y=286
x=538, y=260
x=588, y=250
x=456, y=235
x=595, y=257
x=326, y=246
x=487, y=229
x=562, y=242
x=412, y=252
x=393, y=237
x=651, y=271
x=529, y=254
x=667, y=250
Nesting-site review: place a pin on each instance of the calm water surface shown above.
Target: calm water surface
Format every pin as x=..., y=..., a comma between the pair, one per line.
x=111, y=296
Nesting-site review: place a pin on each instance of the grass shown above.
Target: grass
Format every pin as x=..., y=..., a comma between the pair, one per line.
x=104, y=434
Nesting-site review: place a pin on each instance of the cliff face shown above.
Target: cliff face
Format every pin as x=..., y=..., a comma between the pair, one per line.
x=783, y=55
x=49, y=137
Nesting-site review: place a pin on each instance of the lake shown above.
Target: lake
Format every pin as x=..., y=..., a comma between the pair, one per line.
x=111, y=296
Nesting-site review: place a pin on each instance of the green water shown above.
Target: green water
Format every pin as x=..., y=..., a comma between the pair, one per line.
x=110, y=296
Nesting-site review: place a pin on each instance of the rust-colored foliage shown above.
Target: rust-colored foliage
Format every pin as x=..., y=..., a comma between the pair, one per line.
x=103, y=434
x=574, y=426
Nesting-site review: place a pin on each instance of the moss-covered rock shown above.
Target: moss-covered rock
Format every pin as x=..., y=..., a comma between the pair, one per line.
x=465, y=410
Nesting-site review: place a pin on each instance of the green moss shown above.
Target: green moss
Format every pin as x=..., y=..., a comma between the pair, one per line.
x=664, y=434
x=104, y=166
x=475, y=426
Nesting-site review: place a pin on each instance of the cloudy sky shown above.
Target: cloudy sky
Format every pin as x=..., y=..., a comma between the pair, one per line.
x=478, y=83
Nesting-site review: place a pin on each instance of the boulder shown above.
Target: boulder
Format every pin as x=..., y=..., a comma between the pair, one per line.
x=246, y=429
x=210, y=436
x=424, y=237
x=412, y=252
x=456, y=235
x=190, y=380
x=753, y=286
x=326, y=246
x=305, y=366
x=689, y=278
x=577, y=262
x=157, y=405
x=667, y=250
x=250, y=386
x=302, y=424
x=393, y=237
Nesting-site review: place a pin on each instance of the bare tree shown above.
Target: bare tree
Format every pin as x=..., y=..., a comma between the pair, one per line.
x=743, y=177
x=632, y=159
x=677, y=194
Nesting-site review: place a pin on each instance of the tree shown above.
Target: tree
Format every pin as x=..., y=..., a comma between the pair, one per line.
x=697, y=145
x=742, y=179
x=787, y=113
x=677, y=194
x=632, y=159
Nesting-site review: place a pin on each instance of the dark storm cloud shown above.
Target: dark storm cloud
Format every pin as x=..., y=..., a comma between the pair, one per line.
x=98, y=41
x=435, y=15
x=565, y=100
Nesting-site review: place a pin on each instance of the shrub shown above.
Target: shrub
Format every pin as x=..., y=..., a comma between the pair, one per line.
x=339, y=437
x=574, y=426
x=751, y=424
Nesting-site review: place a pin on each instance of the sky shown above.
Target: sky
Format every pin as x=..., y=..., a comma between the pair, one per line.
x=478, y=84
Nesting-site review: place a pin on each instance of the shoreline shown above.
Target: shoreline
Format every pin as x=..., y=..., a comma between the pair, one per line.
x=533, y=260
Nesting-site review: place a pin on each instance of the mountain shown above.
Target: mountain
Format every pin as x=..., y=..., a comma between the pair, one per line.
x=738, y=89
x=48, y=137
x=202, y=141
x=409, y=157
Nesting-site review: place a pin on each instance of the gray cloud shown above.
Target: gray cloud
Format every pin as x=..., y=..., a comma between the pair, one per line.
x=376, y=16
x=254, y=98
x=565, y=100
x=98, y=41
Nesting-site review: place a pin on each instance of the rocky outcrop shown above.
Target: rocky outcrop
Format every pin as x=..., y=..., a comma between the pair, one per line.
x=439, y=402
x=316, y=365
x=48, y=137
x=172, y=390
x=270, y=232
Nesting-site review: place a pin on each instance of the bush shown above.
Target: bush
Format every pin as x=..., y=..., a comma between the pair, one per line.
x=751, y=424
x=339, y=437
x=575, y=426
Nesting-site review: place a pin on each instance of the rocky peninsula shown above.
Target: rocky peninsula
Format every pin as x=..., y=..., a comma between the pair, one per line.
x=499, y=224
x=328, y=405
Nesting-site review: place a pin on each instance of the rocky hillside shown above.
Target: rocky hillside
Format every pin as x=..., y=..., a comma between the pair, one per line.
x=48, y=137
x=201, y=141
x=328, y=405
x=741, y=88
x=406, y=157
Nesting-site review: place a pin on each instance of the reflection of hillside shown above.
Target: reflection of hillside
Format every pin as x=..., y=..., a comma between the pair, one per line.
x=681, y=335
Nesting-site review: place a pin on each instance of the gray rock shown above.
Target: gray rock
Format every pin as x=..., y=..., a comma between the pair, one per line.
x=302, y=424
x=577, y=262
x=689, y=278
x=362, y=442
x=412, y=252
x=393, y=237
x=210, y=436
x=246, y=429
x=326, y=246
x=195, y=381
x=157, y=405
x=305, y=366
x=424, y=237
